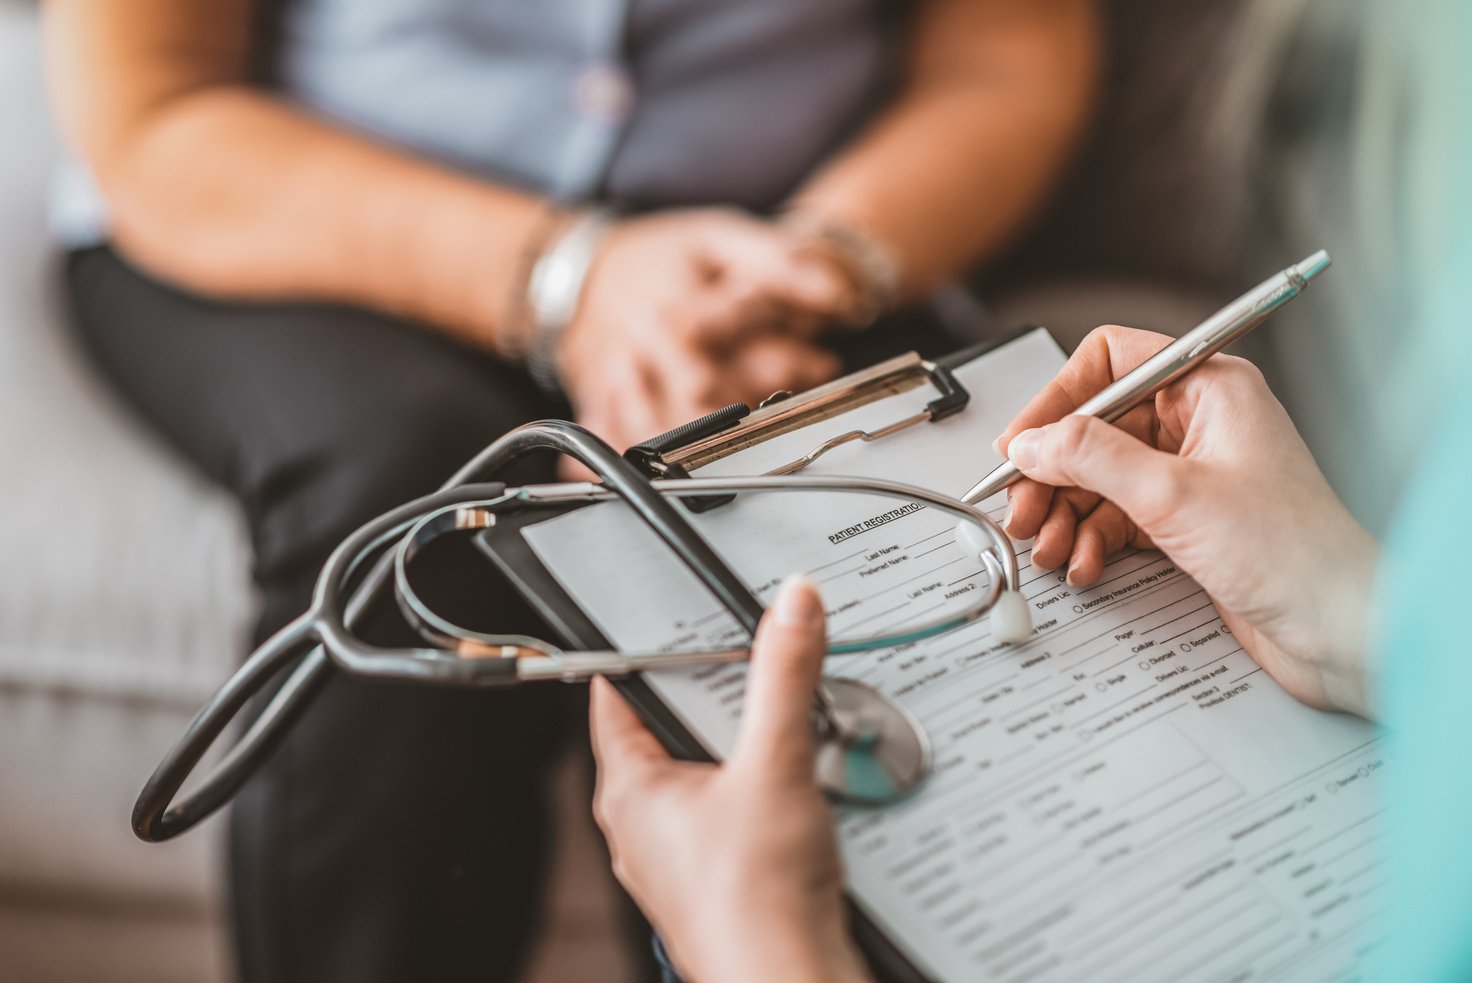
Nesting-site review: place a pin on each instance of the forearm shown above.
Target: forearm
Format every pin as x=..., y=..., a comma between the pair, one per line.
x=996, y=95
x=234, y=194
x=766, y=944
x=766, y=958
x=216, y=185
x=1341, y=596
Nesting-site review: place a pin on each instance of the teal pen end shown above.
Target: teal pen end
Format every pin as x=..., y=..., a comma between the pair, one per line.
x=1314, y=265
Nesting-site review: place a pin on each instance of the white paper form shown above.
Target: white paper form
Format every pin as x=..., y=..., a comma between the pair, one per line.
x=1126, y=796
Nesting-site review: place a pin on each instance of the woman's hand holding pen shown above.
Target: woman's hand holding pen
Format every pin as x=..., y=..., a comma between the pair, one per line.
x=736, y=865
x=1212, y=472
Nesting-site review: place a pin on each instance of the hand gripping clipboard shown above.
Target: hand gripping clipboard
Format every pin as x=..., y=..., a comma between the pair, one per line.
x=698, y=443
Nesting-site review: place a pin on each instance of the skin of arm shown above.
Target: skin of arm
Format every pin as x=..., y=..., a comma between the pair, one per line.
x=217, y=186
x=995, y=95
x=273, y=203
x=221, y=188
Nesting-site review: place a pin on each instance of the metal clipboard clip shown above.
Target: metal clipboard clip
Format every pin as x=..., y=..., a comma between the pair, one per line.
x=736, y=427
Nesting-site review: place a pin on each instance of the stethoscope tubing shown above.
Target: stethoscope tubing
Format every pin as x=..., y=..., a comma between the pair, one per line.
x=324, y=637
x=156, y=815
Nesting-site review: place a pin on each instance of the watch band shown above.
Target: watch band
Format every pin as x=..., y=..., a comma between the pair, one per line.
x=555, y=287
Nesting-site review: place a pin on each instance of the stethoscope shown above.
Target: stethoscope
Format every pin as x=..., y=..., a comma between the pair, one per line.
x=870, y=749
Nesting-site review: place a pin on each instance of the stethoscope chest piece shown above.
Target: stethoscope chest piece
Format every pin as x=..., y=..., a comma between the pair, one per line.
x=870, y=749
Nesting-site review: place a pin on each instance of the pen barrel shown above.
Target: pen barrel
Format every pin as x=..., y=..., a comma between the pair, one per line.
x=1002, y=476
x=1177, y=358
x=1164, y=367
x=1190, y=349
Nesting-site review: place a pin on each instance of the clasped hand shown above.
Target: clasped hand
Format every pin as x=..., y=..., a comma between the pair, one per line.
x=687, y=311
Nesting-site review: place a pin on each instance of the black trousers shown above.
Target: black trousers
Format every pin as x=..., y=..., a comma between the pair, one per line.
x=399, y=832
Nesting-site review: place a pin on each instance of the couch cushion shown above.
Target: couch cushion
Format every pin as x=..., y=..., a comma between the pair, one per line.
x=124, y=595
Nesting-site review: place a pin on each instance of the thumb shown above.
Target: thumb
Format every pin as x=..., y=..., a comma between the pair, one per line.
x=620, y=740
x=1086, y=452
x=815, y=285
x=786, y=660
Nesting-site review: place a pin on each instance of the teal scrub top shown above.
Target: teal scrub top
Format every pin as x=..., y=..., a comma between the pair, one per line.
x=1425, y=674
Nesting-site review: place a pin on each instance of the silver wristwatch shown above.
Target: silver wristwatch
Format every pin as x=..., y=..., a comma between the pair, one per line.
x=555, y=287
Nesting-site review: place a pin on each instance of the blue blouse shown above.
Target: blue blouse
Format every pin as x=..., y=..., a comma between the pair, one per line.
x=641, y=103
x=1426, y=688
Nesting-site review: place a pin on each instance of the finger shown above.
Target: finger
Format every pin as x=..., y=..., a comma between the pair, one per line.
x=769, y=364
x=621, y=742
x=1028, y=503
x=812, y=284
x=1102, y=533
x=570, y=468
x=690, y=382
x=619, y=406
x=1105, y=355
x=766, y=312
x=1077, y=450
x=597, y=422
x=746, y=251
x=786, y=660
x=643, y=410
x=793, y=280
x=804, y=324
x=1055, y=537
x=719, y=319
x=727, y=315
x=1140, y=423
x=751, y=256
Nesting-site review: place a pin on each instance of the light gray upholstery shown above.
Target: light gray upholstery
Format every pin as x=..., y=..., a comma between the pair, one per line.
x=124, y=601
x=124, y=597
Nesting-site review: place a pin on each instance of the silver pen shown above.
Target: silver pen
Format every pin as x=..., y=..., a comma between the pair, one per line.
x=1178, y=357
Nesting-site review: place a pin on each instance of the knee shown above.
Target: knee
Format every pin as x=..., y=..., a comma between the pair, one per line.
x=428, y=426
x=397, y=751
x=403, y=446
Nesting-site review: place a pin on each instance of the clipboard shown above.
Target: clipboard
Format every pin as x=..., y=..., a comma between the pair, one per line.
x=676, y=454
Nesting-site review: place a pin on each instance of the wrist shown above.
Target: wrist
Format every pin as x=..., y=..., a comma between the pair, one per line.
x=1342, y=660
x=547, y=295
x=1325, y=627
x=870, y=264
x=769, y=933
x=515, y=321
x=781, y=953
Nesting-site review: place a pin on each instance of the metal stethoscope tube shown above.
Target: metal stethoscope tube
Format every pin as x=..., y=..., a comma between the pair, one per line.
x=324, y=634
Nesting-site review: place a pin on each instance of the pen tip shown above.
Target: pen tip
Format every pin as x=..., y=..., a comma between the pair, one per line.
x=1314, y=265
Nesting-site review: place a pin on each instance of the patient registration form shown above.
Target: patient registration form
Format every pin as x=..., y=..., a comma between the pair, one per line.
x=1126, y=796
